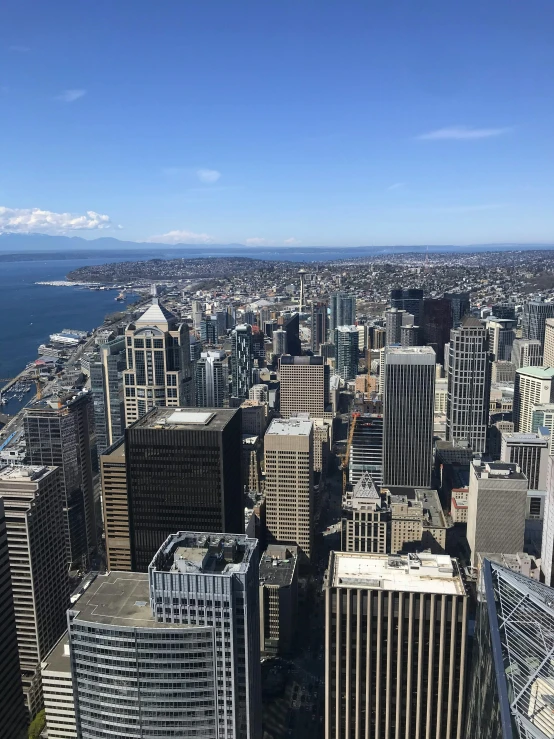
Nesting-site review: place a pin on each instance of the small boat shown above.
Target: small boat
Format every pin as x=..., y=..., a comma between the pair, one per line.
x=121, y=296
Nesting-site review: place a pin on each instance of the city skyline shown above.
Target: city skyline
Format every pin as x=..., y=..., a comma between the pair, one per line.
x=279, y=126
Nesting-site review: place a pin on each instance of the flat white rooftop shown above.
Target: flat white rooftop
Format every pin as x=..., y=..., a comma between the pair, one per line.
x=423, y=573
x=185, y=416
x=23, y=473
x=290, y=427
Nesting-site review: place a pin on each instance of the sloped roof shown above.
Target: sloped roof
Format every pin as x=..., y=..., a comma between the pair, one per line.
x=155, y=314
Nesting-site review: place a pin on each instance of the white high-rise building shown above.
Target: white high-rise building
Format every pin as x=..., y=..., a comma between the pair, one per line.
x=158, y=363
x=467, y=414
x=530, y=452
x=408, y=415
x=542, y=416
x=212, y=380
x=395, y=640
x=526, y=353
x=533, y=386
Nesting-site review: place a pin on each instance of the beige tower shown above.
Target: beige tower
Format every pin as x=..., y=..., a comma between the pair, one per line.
x=304, y=385
x=533, y=386
x=35, y=525
x=158, y=363
x=548, y=354
x=395, y=634
x=115, y=507
x=289, y=482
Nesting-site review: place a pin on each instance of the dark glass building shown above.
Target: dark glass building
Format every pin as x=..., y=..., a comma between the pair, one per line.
x=410, y=300
x=437, y=322
x=106, y=384
x=292, y=328
x=319, y=326
x=65, y=437
x=533, y=322
x=511, y=681
x=459, y=306
x=183, y=473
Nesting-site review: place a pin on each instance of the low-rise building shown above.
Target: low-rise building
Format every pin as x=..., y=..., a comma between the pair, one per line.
x=417, y=520
x=366, y=519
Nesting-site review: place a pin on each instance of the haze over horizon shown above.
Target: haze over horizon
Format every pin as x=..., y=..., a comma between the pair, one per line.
x=289, y=124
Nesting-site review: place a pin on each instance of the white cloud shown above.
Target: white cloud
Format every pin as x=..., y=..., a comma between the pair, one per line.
x=208, y=176
x=69, y=96
x=35, y=220
x=182, y=237
x=396, y=186
x=291, y=241
x=19, y=48
x=256, y=241
x=461, y=133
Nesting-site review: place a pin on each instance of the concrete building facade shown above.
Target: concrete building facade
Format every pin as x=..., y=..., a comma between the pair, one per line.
x=278, y=599
x=530, y=452
x=533, y=386
x=35, y=526
x=304, y=385
x=158, y=363
x=113, y=475
x=395, y=639
x=289, y=489
x=496, y=508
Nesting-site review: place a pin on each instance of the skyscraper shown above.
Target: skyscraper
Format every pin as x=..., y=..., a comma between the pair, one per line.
x=501, y=338
x=366, y=449
x=468, y=385
x=292, y=328
x=319, y=325
x=343, y=311
x=212, y=380
x=530, y=452
x=526, y=353
x=13, y=715
x=496, y=508
x=542, y=414
x=346, y=352
x=366, y=519
x=535, y=313
x=408, y=416
x=393, y=325
x=113, y=474
x=209, y=330
x=395, y=636
x=278, y=599
x=158, y=363
x=504, y=310
x=511, y=681
x=36, y=533
x=60, y=436
x=533, y=386
x=215, y=581
x=409, y=335
x=191, y=663
x=289, y=489
x=459, y=306
x=409, y=300
x=279, y=342
x=184, y=472
x=548, y=353
x=106, y=384
x=304, y=385
x=197, y=313
x=241, y=357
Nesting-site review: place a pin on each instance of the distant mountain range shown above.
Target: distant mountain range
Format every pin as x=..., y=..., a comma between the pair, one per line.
x=22, y=243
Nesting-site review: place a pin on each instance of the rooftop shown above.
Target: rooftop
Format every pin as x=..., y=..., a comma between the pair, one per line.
x=541, y=373
x=365, y=488
x=290, y=427
x=527, y=438
x=422, y=573
x=277, y=565
x=24, y=473
x=287, y=359
x=118, y=599
x=187, y=418
x=197, y=552
x=57, y=659
x=497, y=470
x=428, y=500
x=155, y=314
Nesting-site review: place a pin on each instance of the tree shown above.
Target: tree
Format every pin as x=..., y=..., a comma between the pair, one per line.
x=37, y=725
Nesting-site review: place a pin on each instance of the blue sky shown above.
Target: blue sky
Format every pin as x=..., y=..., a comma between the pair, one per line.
x=277, y=121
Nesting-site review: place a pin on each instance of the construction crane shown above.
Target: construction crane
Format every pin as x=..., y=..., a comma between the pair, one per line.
x=34, y=376
x=346, y=455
